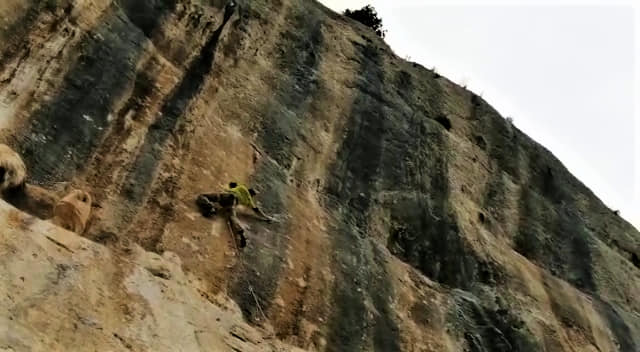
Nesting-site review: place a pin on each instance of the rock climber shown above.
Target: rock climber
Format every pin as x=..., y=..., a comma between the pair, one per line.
x=226, y=202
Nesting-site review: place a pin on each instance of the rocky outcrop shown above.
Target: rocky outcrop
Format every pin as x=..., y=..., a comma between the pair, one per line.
x=412, y=216
x=62, y=292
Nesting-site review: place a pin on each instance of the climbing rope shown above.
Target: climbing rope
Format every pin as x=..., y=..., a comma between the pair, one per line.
x=239, y=254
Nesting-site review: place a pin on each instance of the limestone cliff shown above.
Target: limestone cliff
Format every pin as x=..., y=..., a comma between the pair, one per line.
x=412, y=216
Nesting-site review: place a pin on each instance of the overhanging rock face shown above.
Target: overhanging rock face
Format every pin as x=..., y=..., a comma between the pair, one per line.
x=412, y=216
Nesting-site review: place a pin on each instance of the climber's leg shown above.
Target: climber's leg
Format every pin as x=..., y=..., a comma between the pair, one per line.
x=236, y=228
x=207, y=204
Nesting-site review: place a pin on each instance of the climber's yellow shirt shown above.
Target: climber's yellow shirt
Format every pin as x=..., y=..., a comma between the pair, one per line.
x=242, y=194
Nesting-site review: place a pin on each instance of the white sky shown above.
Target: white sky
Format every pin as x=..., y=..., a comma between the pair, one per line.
x=566, y=74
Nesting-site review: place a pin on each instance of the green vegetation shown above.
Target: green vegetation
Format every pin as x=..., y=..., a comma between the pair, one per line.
x=369, y=17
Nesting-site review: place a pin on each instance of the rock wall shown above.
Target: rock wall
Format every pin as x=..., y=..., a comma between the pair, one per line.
x=412, y=216
x=61, y=292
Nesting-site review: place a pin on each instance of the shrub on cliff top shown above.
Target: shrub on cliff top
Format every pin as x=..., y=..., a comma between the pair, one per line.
x=369, y=17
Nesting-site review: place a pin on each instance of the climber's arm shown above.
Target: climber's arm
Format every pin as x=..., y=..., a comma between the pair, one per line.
x=261, y=214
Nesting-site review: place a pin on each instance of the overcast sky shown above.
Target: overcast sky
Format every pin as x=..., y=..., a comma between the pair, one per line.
x=565, y=73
